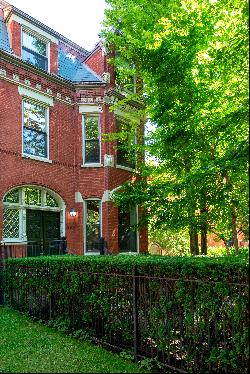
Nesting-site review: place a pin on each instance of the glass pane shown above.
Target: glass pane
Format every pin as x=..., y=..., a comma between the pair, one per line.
x=125, y=152
x=34, y=44
x=93, y=226
x=127, y=236
x=12, y=197
x=35, y=59
x=32, y=196
x=34, y=143
x=92, y=151
x=34, y=116
x=50, y=201
x=125, y=157
x=11, y=223
x=91, y=128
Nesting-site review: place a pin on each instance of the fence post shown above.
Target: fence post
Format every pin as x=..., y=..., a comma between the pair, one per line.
x=5, y=253
x=135, y=309
x=64, y=245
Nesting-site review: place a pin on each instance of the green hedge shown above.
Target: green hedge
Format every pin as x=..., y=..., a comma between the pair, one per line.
x=191, y=313
x=229, y=269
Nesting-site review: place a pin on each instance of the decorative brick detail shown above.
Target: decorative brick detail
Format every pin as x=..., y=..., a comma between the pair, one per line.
x=3, y=72
x=27, y=81
x=38, y=86
x=16, y=77
x=49, y=91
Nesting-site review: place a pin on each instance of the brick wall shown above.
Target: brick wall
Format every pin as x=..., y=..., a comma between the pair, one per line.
x=96, y=61
x=65, y=174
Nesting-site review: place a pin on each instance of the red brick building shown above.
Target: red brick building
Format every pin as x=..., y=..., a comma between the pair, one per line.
x=56, y=172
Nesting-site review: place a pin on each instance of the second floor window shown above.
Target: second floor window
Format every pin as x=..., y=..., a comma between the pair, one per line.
x=34, y=51
x=91, y=139
x=35, y=129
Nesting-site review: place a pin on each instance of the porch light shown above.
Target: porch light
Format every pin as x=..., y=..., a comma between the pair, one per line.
x=73, y=212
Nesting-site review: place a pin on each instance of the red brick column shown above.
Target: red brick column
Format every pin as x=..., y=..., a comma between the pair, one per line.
x=53, y=58
x=16, y=44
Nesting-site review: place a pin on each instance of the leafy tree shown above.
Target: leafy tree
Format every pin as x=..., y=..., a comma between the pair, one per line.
x=192, y=57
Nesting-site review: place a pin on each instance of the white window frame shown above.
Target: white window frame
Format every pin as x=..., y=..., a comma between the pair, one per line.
x=85, y=224
x=91, y=164
x=46, y=107
x=43, y=39
x=22, y=206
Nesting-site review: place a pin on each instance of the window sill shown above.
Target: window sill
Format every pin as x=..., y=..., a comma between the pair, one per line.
x=91, y=253
x=129, y=253
x=13, y=241
x=92, y=165
x=125, y=168
x=37, y=158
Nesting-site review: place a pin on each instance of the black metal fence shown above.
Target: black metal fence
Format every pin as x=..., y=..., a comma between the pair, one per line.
x=147, y=316
x=29, y=249
x=33, y=249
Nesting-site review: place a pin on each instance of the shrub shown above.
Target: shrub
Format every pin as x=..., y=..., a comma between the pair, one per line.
x=189, y=312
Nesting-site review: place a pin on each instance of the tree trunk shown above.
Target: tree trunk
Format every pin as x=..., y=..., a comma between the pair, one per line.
x=194, y=246
x=204, y=230
x=234, y=226
x=234, y=220
x=204, y=240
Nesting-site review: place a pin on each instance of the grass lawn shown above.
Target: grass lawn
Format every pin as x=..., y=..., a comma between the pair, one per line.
x=31, y=347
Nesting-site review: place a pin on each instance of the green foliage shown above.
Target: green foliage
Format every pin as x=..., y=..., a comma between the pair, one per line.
x=193, y=59
x=168, y=242
x=184, y=299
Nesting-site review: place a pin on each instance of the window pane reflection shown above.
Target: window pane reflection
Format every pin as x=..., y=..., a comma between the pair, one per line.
x=34, y=130
x=93, y=226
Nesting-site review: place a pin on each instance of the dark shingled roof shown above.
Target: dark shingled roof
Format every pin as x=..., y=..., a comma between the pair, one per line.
x=4, y=39
x=74, y=70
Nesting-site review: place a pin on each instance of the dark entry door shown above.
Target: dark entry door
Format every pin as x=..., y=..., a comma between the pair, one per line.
x=43, y=231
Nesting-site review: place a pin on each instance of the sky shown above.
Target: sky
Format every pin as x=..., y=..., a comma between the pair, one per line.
x=77, y=20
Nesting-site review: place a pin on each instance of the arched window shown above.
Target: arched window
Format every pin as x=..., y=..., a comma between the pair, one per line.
x=20, y=202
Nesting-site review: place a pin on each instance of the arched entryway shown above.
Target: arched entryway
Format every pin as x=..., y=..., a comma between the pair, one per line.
x=33, y=214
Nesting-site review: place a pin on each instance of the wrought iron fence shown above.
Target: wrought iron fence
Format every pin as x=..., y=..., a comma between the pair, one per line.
x=147, y=316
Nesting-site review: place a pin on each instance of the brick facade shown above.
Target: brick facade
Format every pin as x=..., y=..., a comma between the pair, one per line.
x=64, y=172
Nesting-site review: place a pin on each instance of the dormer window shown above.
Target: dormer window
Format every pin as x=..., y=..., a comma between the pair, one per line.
x=34, y=50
